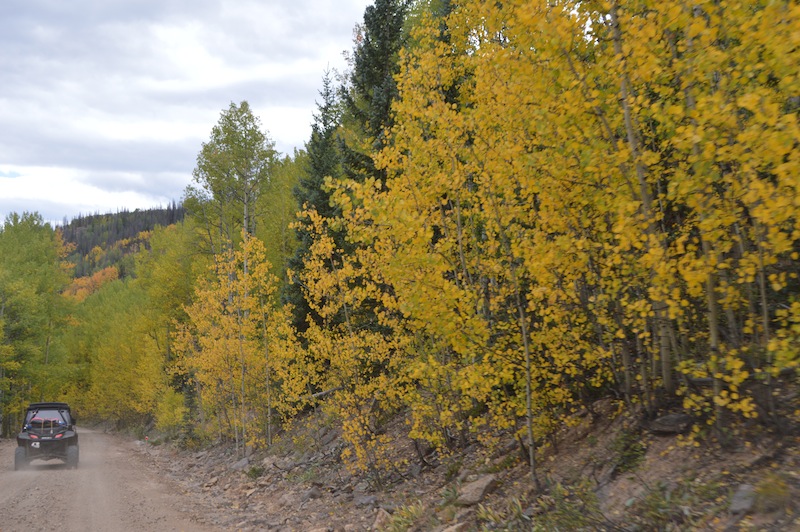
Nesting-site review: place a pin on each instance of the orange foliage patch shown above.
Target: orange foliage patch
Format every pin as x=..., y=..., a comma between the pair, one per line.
x=83, y=287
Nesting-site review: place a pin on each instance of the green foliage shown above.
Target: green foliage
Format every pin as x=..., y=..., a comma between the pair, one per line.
x=322, y=161
x=323, y=158
x=371, y=89
x=629, y=449
x=194, y=440
x=32, y=311
x=511, y=518
x=124, y=374
x=508, y=462
x=254, y=472
x=658, y=508
x=449, y=495
x=303, y=476
x=453, y=469
x=689, y=504
x=566, y=508
x=170, y=411
x=773, y=493
x=233, y=169
x=167, y=270
x=274, y=224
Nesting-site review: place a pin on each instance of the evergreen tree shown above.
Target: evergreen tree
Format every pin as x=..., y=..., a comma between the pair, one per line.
x=371, y=87
x=323, y=161
x=347, y=131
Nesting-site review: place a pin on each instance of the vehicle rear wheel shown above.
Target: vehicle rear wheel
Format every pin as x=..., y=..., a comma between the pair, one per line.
x=20, y=460
x=72, y=456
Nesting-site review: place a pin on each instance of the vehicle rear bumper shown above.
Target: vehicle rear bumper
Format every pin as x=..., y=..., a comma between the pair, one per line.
x=45, y=449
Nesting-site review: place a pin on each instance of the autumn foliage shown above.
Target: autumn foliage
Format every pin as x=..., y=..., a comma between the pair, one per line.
x=238, y=348
x=554, y=202
x=580, y=197
x=82, y=287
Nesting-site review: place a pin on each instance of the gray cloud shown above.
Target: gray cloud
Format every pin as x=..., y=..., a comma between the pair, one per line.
x=118, y=95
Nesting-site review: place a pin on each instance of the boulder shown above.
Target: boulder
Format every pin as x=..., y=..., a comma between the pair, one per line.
x=366, y=500
x=382, y=520
x=241, y=464
x=474, y=492
x=743, y=500
x=671, y=424
x=313, y=493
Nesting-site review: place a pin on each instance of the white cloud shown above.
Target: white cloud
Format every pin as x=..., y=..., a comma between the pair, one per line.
x=43, y=189
x=105, y=103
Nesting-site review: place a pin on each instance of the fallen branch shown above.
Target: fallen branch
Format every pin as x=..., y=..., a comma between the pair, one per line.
x=320, y=395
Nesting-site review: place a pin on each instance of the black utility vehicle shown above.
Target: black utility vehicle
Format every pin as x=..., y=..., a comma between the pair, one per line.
x=48, y=433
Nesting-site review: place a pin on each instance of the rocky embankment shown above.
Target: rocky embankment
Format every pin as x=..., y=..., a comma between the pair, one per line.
x=603, y=474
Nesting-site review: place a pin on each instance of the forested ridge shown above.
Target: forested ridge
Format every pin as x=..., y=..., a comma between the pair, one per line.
x=505, y=213
x=101, y=240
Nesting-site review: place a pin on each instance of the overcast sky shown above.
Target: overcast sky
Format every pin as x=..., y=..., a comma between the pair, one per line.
x=104, y=104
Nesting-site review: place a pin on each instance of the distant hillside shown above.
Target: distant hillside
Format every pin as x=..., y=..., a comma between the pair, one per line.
x=103, y=240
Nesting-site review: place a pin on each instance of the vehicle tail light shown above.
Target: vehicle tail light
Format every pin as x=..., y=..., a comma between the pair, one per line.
x=58, y=436
x=34, y=437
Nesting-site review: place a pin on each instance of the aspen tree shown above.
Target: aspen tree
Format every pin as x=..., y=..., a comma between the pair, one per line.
x=579, y=195
x=232, y=170
x=238, y=347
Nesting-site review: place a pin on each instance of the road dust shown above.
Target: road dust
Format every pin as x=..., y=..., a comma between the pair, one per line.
x=114, y=488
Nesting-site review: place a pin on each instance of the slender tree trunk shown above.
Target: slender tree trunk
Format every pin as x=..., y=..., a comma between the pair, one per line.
x=645, y=196
x=626, y=364
x=269, y=383
x=646, y=393
x=712, y=313
x=47, y=342
x=2, y=402
x=666, y=354
x=523, y=328
x=242, y=374
x=762, y=286
x=523, y=325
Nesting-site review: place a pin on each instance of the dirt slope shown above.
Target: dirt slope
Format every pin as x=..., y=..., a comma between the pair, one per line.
x=115, y=488
x=606, y=474
x=599, y=477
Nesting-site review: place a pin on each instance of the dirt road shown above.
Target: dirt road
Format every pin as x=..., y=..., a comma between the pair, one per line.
x=115, y=488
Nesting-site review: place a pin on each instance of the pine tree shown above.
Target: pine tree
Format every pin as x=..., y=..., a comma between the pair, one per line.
x=370, y=90
x=311, y=193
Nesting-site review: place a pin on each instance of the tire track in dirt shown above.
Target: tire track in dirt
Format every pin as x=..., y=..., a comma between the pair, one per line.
x=113, y=489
